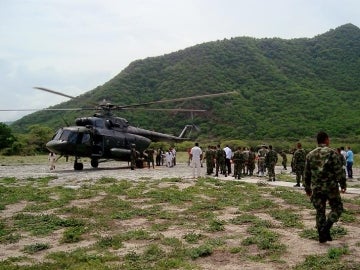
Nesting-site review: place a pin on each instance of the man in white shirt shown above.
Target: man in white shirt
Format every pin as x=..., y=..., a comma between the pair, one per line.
x=228, y=159
x=196, y=155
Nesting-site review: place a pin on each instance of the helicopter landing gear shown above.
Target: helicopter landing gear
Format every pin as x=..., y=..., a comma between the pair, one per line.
x=94, y=162
x=78, y=166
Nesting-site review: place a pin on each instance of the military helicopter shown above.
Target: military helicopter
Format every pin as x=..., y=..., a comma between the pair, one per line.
x=104, y=137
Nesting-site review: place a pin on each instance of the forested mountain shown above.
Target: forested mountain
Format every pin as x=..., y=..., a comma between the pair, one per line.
x=286, y=88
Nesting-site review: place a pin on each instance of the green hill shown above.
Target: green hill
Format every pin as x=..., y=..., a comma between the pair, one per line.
x=287, y=88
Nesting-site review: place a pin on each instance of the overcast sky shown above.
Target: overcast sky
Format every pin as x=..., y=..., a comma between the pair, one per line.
x=75, y=45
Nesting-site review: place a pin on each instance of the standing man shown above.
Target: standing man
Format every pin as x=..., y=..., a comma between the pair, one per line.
x=349, y=162
x=133, y=156
x=271, y=159
x=196, y=156
x=220, y=156
x=299, y=164
x=261, y=160
x=209, y=161
x=228, y=157
x=323, y=174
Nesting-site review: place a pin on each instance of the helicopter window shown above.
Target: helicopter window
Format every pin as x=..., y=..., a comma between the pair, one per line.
x=64, y=135
x=69, y=136
x=57, y=135
x=86, y=138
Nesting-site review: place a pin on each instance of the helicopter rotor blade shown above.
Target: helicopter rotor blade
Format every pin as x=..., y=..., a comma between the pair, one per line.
x=34, y=110
x=53, y=92
x=166, y=110
x=175, y=99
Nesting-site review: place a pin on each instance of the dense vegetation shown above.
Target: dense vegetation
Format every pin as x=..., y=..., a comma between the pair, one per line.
x=286, y=88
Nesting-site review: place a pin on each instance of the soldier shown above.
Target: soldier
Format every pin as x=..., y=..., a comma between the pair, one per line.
x=323, y=174
x=251, y=161
x=209, y=160
x=238, y=160
x=284, y=159
x=150, y=157
x=299, y=159
x=220, y=161
x=261, y=161
x=270, y=162
x=133, y=157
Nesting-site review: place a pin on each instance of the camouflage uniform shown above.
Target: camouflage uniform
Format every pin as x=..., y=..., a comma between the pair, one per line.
x=209, y=161
x=133, y=156
x=261, y=162
x=270, y=162
x=251, y=162
x=220, y=161
x=323, y=174
x=284, y=159
x=150, y=157
x=299, y=159
x=239, y=161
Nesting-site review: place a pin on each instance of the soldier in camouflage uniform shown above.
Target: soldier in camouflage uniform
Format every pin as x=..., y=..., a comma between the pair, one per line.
x=284, y=159
x=220, y=161
x=209, y=160
x=133, y=156
x=251, y=161
x=261, y=161
x=299, y=159
x=270, y=161
x=323, y=174
x=238, y=160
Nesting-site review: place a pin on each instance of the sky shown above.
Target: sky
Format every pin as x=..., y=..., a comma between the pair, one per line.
x=73, y=46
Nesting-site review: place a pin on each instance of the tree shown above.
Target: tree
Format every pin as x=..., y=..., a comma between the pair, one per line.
x=38, y=136
x=6, y=136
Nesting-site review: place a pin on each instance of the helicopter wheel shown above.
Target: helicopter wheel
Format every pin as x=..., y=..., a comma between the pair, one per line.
x=94, y=163
x=78, y=166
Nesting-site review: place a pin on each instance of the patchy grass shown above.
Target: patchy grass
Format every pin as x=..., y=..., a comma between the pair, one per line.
x=162, y=224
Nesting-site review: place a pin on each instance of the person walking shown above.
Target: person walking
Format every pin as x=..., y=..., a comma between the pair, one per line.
x=284, y=159
x=299, y=164
x=349, y=162
x=52, y=160
x=271, y=159
x=323, y=174
x=196, y=156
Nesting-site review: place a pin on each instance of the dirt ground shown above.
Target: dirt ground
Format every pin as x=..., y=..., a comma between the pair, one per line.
x=297, y=248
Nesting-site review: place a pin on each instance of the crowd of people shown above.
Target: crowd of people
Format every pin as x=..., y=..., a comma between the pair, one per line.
x=244, y=160
x=321, y=172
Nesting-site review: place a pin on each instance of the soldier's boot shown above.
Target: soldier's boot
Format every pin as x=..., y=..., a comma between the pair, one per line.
x=327, y=228
x=322, y=235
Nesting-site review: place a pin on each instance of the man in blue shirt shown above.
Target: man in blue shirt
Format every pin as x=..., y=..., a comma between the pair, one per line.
x=349, y=162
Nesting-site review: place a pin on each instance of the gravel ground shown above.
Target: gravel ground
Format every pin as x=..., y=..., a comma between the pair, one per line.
x=65, y=175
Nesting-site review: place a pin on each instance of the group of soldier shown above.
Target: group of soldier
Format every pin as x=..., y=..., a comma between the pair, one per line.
x=245, y=160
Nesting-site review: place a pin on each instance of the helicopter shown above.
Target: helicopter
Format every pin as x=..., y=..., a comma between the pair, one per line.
x=104, y=136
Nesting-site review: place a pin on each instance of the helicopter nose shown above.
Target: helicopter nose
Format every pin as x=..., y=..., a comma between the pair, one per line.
x=56, y=146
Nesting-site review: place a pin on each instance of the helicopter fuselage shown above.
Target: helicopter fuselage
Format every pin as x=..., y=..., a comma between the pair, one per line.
x=103, y=138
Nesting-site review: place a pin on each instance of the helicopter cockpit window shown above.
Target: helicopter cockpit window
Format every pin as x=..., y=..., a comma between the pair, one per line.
x=57, y=134
x=64, y=135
